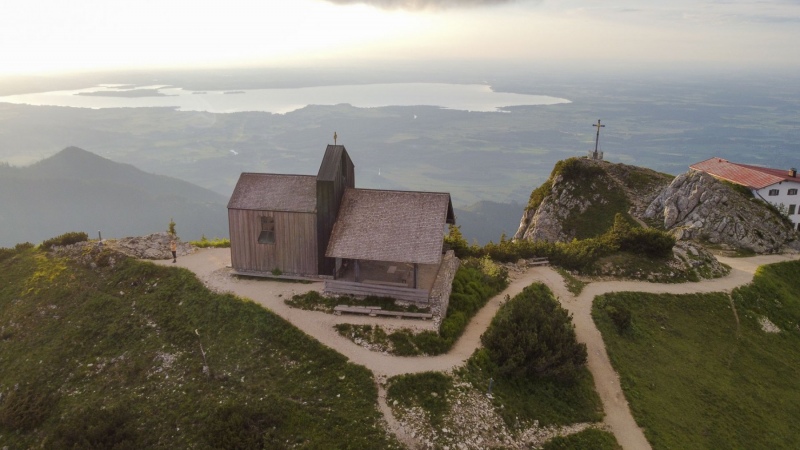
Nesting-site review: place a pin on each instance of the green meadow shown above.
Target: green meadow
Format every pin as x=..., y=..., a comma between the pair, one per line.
x=699, y=374
x=131, y=355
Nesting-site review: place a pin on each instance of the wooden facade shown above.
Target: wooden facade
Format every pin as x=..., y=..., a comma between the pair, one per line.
x=294, y=250
x=312, y=226
x=282, y=223
x=336, y=173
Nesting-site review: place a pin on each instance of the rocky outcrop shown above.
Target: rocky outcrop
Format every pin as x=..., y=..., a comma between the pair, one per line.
x=152, y=246
x=581, y=194
x=545, y=223
x=473, y=423
x=577, y=190
x=696, y=206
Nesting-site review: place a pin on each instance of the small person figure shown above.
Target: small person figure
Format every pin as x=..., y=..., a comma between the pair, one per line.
x=173, y=246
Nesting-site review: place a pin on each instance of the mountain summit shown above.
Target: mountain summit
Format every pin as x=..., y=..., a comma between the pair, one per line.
x=582, y=197
x=76, y=190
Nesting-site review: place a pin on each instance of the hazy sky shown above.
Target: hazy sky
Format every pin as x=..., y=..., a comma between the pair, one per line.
x=58, y=35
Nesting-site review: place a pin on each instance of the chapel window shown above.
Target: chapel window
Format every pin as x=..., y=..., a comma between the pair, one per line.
x=267, y=235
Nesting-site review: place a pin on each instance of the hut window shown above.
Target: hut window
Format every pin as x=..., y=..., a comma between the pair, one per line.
x=773, y=192
x=267, y=235
x=792, y=191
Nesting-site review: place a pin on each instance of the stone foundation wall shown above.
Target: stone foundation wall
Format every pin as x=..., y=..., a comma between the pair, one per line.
x=443, y=286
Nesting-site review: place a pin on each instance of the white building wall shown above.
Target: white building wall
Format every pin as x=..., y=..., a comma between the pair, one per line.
x=783, y=198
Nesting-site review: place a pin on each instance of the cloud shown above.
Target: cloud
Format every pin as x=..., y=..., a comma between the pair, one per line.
x=416, y=5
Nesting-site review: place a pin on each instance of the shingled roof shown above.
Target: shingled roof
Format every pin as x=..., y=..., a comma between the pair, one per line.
x=331, y=162
x=273, y=192
x=396, y=226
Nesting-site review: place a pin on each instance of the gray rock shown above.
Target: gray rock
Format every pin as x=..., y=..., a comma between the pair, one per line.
x=697, y=206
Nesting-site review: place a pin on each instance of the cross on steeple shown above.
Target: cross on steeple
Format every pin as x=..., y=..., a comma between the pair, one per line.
x=595, y=155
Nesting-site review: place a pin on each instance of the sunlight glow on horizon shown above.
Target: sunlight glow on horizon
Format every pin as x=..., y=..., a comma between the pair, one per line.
x=46, y=36
x=185, y=34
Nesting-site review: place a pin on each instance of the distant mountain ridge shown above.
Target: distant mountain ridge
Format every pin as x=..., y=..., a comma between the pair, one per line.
x=78, y=164
x=76, y=190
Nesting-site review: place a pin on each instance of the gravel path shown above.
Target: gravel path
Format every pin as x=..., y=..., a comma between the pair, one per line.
x=210, y=266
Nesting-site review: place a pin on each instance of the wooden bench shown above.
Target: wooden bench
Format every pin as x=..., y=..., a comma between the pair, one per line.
x=403, y=314
x=374, y=311
x=385, y=283
x=339, y=309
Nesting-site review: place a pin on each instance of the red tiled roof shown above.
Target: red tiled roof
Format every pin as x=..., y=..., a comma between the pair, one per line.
x=751, y=176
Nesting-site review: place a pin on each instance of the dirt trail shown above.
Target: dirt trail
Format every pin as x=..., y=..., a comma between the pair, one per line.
x=210, y=266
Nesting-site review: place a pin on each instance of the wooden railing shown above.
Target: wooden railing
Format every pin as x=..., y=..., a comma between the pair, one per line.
x=337, y=287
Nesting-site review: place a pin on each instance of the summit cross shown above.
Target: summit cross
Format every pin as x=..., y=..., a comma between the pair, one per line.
x=597, y=139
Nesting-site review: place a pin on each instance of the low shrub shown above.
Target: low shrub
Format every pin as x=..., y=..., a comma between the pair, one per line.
x=313, y=300
x=476, y=281
x=538, y=195
x=204, y=242
x=648, y=241
x=428, y=390
x=98, y=428
x=620, y=315
x=26, y=406
x=6, y=253
x=573, y=169
x=574, y=285
x=403, y=343
x=22, y=246
x=73, y=237
x=247, y=427
x=581, y=254
x=375, y=335
x=588, y=439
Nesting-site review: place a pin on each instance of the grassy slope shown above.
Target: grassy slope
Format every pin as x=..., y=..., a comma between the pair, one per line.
x=695, y=379
x=589, y=439
x=111, y=356
x=598, y=217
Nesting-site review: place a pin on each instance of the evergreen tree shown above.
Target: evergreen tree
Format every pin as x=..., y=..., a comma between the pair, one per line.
x=532, y=335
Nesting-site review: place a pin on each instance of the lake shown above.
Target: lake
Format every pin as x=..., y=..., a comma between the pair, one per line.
x=466, y=97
